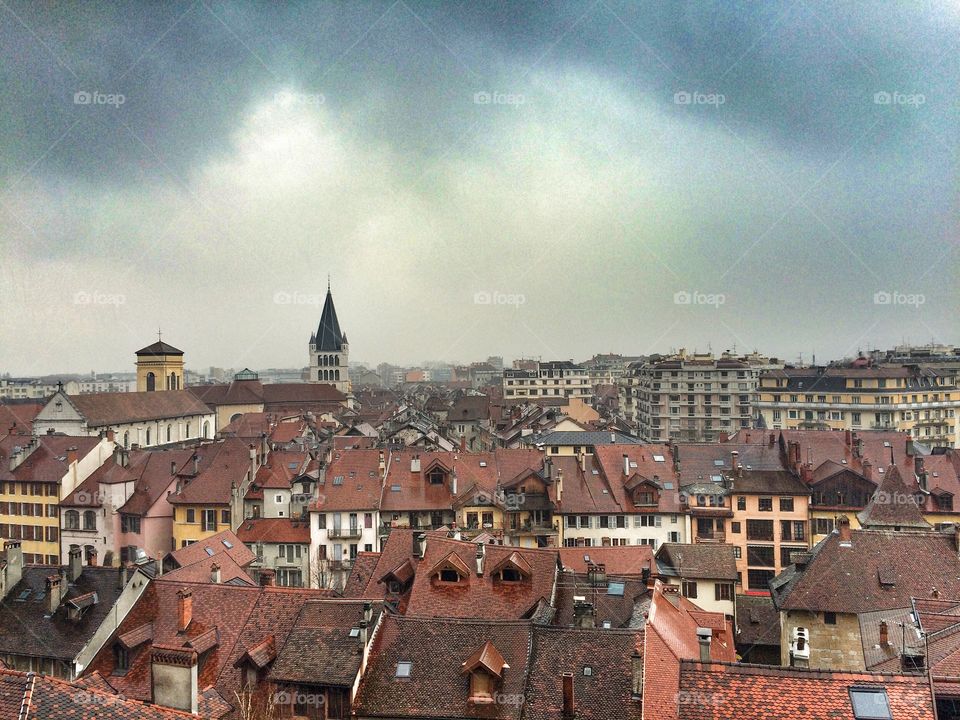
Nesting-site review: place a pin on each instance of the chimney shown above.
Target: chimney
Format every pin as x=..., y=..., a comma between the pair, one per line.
x=268, y=577
x=746, y=436
x=12, y=572
x=173, y=468
x=559, y=485
x=381, y=465
x=481, y=554
x=794, y=453
x=368, y=612
x=956, y=537
x=806, y=473
x=723, y=436
x=868, y=469
x=548, y=468
x=419, y=544
x=53, y=586
x=584, y=614
x=184, y=609
x=735, y=461
x=704, y=636
x=92, y=558
x=253, y=463
x=636, y=664
x=75, y=562
x=884, y=634
x=196, y=464
x=264, y=447
x=111, y=436
x=569, y=708
x=463, y=442
x=122, y=575
x=847, y=438
x=453, y=482
x=71, y=455
x=362, y=625
x=626, y=465
x=173, y=677
x=773, y=439
x=215, y=573
x=843, y=528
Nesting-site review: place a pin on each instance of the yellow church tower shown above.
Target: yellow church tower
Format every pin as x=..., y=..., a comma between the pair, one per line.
x=159, y=367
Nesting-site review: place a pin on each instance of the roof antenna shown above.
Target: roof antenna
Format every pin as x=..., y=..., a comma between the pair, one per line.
x=328, y=282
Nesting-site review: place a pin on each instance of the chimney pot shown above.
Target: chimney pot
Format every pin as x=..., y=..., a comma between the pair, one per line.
x=843, y=528
x=884, y=634
x=704, y=637
x=569, y=707
x=75, y=558
x=184, y=609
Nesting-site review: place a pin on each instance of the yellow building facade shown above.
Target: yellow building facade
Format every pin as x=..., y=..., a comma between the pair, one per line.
x=159, y=367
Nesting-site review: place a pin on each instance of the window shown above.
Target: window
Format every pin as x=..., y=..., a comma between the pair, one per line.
x=89, y=520
x=130, y=523
x=759, y=579
x=449, y=575
x=735, y=528
x=689, y=589
x=208, y=520
x=822, y=526
x=404, y=668
x=870, y=703
x=786, y=504
x=121, y=659
x=71, y=520
x=759, y=529
x=762, y=555
x=723, y=591
x=191, y=515
x=765, y=504
x=829, y=618
x=741, y=502
x=321, y=521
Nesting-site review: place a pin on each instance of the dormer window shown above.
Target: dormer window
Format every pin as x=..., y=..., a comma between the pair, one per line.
x=450, y=570
x=512, y=569
x=510, y=574
x=486, y=668
x=449, y=575
x=436, y=476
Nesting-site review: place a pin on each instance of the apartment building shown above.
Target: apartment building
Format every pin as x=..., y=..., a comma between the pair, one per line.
x=922, y=401
x=555, y=379
x=689, y=397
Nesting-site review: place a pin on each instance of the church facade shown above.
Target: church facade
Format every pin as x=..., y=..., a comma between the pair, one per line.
x=329, y=350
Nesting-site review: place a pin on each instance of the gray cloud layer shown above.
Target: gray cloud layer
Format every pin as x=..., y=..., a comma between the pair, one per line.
x=258, y=148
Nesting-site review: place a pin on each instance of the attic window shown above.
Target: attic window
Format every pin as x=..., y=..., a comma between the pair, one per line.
x=227, y=544
x=436, y=476
x=354, y=632
x=449, y=575
x=718, y=463
x=404, y=668
x=338, y=479
x=870, y=703
x=483, y=463
x=209, y=551
x=587, y=671
x=510, y=574
x=657, y=458
x=293, y=465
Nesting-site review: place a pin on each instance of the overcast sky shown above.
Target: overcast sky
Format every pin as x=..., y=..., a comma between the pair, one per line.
x=539, y=179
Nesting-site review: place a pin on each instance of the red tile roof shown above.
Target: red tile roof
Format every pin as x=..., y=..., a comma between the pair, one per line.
x=621, y=561
x=223, y=465
x=352, y=481
x=274, y=530
x=116, y=408
x=223, y=542
x=710, y=691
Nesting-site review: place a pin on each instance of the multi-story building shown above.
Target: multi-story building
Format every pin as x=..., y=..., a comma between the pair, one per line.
x=329, y=351
x=922, y=401
x=690, y=397
x=556, y=379
x=35, y=472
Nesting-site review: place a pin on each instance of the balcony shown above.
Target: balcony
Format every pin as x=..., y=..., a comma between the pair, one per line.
x=712, y=537
x=344, y=532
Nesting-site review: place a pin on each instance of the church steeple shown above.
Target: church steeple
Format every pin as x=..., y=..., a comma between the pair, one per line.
x=328, y=337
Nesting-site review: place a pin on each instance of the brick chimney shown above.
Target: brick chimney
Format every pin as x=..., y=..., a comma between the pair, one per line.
x=884, y=634
x=847, y=438
x=75, y=563
x=868, y=469
x=734, y=461
x=843, y=528
x=184, y=609
x=569, y=705
x=111, y=436
x=268, y=577
x=71, y=454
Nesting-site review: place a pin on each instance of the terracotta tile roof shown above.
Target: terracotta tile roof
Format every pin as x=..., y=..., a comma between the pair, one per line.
x=352, y=481
x=724, y=690
x=27, y=696
x=48, y=462
x=758, y=622
x=621, y=607
x=397, y=548
x=223, y=464
x=100, y=409
x=361, y=574
x=845, y=577
x=469, y=408
x=436, y=686
x=893, y=505
x=274, y=530
x=201, y=571
x=697, y=560
x=477, y=596
x=319, y=649
x=622, y=561
x=606, y=693
x=489, y=658
x=242, y=617
x=137, y=636
x=652, y=462
x=223, y=542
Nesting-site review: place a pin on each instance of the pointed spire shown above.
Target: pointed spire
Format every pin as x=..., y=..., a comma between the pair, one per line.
x=328, y=335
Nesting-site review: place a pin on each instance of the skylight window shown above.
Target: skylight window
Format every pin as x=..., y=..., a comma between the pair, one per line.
x=615, y=588
x=354, y=632
x=633, y=464
x=404, y=668
x=338, y=479
x=22, y=597
x=209, y=551
x=227, y=544
x=718, y=463
x=293, y=465
x=587, y=671
x=659, y=458
x=668, y=486
x=394, y=488
x=483, y=463
x=870, y=703
x=595, y=472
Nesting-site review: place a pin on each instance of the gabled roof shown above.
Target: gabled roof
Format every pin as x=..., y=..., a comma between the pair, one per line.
x=621, y=561
x=487, y=657
x=515, y=560
x=451, y=560
x=117, y=408
x=223, y=542
x=697, y=561
x=893, y=505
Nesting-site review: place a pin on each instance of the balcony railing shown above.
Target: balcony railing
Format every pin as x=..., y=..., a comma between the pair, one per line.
x=344, y=532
